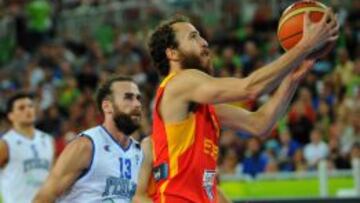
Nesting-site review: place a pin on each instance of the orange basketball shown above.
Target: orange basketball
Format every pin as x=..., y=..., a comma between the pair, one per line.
x=290, y=26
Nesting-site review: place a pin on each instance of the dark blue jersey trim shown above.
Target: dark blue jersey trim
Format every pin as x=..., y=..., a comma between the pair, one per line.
x=113, y=139
x=84, y=172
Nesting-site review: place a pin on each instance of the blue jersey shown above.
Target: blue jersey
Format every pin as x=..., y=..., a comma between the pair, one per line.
x=112, y=174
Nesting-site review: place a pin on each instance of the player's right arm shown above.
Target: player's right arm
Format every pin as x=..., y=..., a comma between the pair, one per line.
x=74, y=160
x=141, y=195
x=195, y=86
x=4, y=153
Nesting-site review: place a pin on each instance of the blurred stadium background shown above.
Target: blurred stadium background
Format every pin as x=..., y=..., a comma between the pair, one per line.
x=61, y=50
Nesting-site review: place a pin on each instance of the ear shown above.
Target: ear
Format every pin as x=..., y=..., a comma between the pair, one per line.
x=172, y=54
x=107, y=106
x=10, y=116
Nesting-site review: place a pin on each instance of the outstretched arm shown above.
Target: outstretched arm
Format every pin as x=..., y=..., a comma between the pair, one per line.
x=261, y=121
x=195, y=86
x=314, y=35
x=67, y=169
x=141, y=195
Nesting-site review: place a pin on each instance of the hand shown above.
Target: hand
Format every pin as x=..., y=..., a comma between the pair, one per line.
x=317, y=34
x=299, y=73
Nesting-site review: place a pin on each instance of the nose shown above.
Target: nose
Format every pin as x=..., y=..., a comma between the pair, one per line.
x=29, y=109
x=204, y=43
x=137, y=103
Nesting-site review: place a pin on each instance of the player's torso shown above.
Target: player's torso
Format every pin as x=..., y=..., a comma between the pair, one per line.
x=112, y=176
x=28, y=166
x=185, y=156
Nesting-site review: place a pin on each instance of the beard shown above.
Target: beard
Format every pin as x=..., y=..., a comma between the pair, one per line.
x=193, y=61
x=124, y=122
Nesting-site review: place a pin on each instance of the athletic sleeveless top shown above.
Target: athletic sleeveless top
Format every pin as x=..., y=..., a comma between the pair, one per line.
x=113, y=172
x=185, y=154
x=28, y=166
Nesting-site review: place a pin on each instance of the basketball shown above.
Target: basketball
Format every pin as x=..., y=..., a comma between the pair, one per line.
x=291, y=22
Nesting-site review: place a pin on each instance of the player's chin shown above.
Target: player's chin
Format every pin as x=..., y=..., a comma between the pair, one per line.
x=28, y=122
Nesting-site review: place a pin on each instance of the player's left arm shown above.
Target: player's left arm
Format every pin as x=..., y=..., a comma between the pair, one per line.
x=262, y=121
x=73, y=161
x=141, y=195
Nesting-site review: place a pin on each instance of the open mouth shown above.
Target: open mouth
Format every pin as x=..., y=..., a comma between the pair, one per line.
x=136, y=115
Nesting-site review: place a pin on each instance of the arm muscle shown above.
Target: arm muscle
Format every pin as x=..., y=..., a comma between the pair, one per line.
x=72, y=162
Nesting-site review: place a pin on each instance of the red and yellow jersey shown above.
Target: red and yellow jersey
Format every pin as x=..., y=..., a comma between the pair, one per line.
x=185, y=155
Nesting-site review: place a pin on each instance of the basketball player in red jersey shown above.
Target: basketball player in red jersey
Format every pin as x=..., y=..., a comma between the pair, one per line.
x=190, y=104
x=146, y=185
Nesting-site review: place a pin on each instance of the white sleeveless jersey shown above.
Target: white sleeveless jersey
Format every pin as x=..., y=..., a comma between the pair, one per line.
x=112, y=174
x=28, y=166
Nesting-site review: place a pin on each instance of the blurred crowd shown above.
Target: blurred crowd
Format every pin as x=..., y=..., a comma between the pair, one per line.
x=323, y=121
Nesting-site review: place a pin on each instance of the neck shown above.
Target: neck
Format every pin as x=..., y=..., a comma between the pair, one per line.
x=316, y=142
x=119, y=136
x=25, y=130
x=175, y=67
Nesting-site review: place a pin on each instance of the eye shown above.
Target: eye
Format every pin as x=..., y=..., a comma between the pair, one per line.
x=139, y=98
x=128, y=96
x=193, y=35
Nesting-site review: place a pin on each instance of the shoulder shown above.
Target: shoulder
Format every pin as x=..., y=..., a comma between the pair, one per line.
x=189, y=77
x=76, y=157
x=146, y=143
x=91, y=132
x=308, y=147
x=186, y=81
x=81, y=144
x=324, y=145
x=43, y=134
x=7, y=134
x=10, y=137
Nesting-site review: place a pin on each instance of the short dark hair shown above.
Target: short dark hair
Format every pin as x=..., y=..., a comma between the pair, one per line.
x=18, y=95
x=105, y=89
x=162, y=38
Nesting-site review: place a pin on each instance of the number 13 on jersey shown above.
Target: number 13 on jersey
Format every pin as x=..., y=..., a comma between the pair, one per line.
x=125, y=168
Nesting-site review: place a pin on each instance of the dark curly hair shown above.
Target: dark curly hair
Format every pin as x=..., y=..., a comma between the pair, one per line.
x=15, y=97
x=162, y=38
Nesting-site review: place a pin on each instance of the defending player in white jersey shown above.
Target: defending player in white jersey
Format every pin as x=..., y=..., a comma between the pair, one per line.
x=102, y=164
x=26, y=154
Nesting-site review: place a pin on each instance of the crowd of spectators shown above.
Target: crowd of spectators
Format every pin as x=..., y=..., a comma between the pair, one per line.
x=322, y=123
